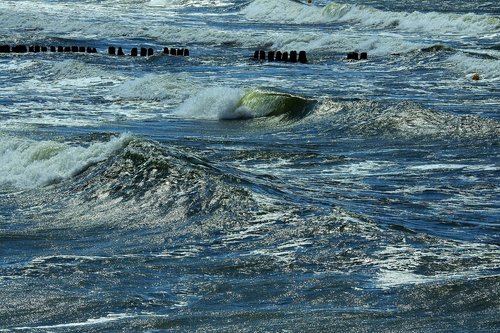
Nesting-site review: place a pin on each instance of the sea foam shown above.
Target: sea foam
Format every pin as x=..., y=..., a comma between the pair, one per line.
x=155, y=88
x=432, y=22
x=26, y=163
x=487, y=67
x=215, y=103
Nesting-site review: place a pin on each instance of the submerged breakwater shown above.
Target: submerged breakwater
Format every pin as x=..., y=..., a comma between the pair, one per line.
x=208, y=187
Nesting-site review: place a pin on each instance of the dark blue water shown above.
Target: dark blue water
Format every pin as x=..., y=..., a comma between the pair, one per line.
x=216, y=192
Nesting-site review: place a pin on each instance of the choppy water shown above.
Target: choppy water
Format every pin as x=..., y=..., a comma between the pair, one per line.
x=218, y=193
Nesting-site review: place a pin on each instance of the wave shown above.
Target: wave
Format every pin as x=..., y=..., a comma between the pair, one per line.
x=167, y=192
x=146, y=183
x=75, y=69
x=358, y=117
x=382, y=44
x=487, y=67
x=283, y=12
x=401, y=120
x=89, y=23
x=433, y=22
x=117, y=21
x=88, y=31
x=437, y=48
x=153, y=87
x=224, y=103
x=26, y=163
x=214, y=103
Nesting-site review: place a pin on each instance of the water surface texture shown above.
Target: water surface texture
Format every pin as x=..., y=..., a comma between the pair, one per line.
x=218, y=193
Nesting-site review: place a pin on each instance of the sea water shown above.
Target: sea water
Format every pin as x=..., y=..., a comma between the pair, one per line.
x=216, y=192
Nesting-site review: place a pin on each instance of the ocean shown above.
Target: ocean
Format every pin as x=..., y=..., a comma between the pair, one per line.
x=206, y=190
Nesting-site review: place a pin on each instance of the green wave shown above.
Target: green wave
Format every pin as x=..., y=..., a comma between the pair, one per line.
x=263, y=103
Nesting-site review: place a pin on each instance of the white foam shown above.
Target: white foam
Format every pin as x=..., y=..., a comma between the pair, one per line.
x=27, y=163
x=185, y=252
x=88, y=322
x=487, y=68
x=20, y=65
x=188, y=3
x=49, y=120
x=70, y=70
x=360, y=169
x=378, y=44
x=399, y=264
x=283, y=12
x=109, y=19
x=384, y=44
x=433, y=22
x=451, y=166
x=156, y=88
x=214, y=103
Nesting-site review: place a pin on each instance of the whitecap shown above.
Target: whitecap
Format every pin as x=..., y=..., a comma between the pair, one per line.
x=26, y=163
x=214, y=103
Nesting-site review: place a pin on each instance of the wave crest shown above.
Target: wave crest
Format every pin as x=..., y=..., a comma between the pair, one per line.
x=229, y=103
x=405, y=119
x=26, y=163
x=431, y=22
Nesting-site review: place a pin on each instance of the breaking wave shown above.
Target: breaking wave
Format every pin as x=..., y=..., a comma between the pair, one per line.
x=230, y=103
x=488, y=67
x=402, y=119
x=433, y=22
x=26, y=163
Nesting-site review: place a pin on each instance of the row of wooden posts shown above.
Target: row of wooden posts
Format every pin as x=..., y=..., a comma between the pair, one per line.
x=301, y=56
x=38, y=48
x=357, y=56
x=292, y=56
x=147, y=52
x=143, y=52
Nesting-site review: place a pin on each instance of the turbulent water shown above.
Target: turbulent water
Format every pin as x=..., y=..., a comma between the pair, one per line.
x=215, y=192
